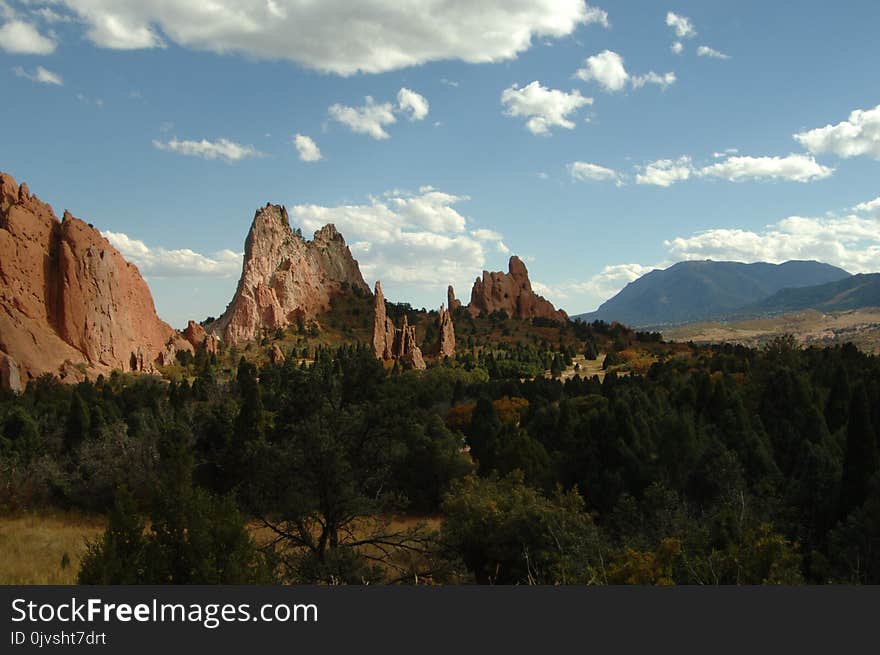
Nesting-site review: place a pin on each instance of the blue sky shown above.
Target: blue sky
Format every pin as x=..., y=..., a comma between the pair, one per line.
x=573, y=135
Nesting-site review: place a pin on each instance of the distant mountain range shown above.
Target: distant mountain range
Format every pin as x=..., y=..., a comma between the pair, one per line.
x=694, y=291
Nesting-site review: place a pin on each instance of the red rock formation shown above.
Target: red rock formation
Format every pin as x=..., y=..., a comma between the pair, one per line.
x=285, y=278
x=10, y=376
x=383, y=327
x=68, y=299
x=511, y=292
x=196, y=335
x=451, y=301
x=446, y=338
x=276, y=355
x=390, y=343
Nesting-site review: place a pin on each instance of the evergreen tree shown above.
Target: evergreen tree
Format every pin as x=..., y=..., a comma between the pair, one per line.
x=861, y=458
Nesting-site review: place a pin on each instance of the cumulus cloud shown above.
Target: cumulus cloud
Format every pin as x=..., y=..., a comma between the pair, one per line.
x=382, y=35
x=859, y=135
x=183, y=262
x=792, y=168
x=677, y=47
x=372, y=117
x=706, y=51
x=585, y=171
x=605, y=68
x=21, y=38
x=665, y=172
x=796, y=168
x=608, y=71
x=369, y=118
x=611, y=279
x=40, y=75
x=415, y=104
x=417, y=239
x=869, y=207
x=219, y=149
x=851, y=242
x=307, y=148
x=544, y=108
x=684, y=28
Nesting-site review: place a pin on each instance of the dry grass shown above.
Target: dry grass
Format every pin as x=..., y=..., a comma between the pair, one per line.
x=859, y=326
x=33, y=546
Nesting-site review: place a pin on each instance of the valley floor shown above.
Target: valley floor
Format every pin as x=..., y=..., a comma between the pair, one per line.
x=810, y=327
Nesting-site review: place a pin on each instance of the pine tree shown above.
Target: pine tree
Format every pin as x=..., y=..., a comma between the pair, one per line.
x=861, y=458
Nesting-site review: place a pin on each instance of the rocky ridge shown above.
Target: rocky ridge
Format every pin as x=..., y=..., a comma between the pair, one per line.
x=70, y=304
x=512, y=293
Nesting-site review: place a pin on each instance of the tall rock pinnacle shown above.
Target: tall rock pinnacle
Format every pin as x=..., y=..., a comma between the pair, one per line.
x=285, y=278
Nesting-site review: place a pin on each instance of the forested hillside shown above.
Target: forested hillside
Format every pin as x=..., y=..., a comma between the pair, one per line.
x=711, y=466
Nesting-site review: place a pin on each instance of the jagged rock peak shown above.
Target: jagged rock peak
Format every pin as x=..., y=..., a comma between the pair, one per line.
x=70, y=304
x=390, y=343
x=197, y=336
x=512, y=293
x=285, y=278
x=451, y=301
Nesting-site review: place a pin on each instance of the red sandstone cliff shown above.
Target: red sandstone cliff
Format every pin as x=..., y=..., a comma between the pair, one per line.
x=69, y=303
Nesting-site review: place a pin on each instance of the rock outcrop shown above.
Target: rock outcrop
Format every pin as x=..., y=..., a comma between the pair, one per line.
x=391, y=343
x=276, y=355
x=68, y=299
x=10, y=376
x=511, y=292
x=286, y=279
x=446, y=336
x=197, y=337
x=451, y=301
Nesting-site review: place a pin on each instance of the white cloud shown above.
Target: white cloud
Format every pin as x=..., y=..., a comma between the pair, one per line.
x=409, y=239
x=859, y=135
x=610, y=280
x=367, y=119
x=160, y=262
x=663, y=81
x=412, y=102
x=544, y=108
x=796, y=168
x=585, y=171
x=607, y=69
x=677, y=47
x=40, y=75
x=665, y=172
x=306, y=147
x=868, y=207
x=706, y=51
x=793, y=168
x=220, y=149
x=329, y=36
x=22, y=38
x=850, y=242
x=684, y=28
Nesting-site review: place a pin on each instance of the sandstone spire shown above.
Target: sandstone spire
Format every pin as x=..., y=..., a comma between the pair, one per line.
x=286, y=278
x=451, y=301
x=390, y=343
x=446, y=338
